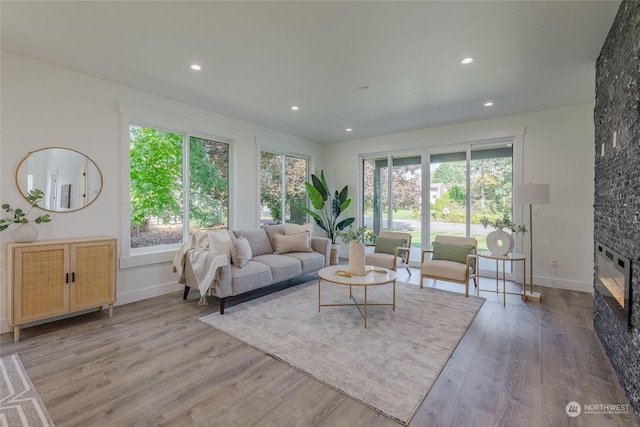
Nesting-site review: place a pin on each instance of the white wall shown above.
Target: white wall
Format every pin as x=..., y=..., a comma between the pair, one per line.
x=44, y=105
x=558, y=150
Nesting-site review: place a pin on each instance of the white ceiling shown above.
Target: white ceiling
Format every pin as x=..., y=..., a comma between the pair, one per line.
x=260, y=58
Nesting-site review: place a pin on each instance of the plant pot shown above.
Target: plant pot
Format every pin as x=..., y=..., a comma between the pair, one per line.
x=335, y=257
x=500, y=242
x=25, y=233
x=356, y=259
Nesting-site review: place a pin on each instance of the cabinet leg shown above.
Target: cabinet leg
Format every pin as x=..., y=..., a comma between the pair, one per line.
x=16, y=333
x=110, y=310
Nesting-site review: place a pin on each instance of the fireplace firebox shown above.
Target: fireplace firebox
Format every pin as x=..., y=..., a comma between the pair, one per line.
x=613, y=281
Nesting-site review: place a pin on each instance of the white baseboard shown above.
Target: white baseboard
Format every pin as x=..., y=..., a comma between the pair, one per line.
x=122, y=298
x=146, y=293
x=570, y=285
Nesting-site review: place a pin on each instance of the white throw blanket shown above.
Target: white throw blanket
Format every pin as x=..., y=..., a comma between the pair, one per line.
x=205, y=263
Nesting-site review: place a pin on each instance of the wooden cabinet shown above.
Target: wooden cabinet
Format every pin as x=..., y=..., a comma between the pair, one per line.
x=54, y=277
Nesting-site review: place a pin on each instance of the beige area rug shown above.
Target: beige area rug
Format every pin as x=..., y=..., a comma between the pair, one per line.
x=390, y=366
x=20, y=403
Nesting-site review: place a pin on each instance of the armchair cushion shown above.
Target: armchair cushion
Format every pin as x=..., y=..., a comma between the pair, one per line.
x=382, y=260
x=387, y=245
x=445, y=269
x=451, y=252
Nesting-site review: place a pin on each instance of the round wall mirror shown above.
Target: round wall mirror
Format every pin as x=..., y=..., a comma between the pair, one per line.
x=69, y=179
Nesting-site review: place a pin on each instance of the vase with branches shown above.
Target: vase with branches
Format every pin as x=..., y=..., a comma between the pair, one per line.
x=21, y=217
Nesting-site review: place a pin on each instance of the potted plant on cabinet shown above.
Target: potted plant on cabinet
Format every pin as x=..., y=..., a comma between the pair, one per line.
x=25, y=231
x=329, y=208
x=499, y=241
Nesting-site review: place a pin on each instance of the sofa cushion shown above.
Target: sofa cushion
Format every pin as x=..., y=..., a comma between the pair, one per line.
x=252, y=276
x=282, y=267
x=258, y=241
x=309, y=261
x=451, y=252
x=272, y=231
x=241, y=253
x=293, y=243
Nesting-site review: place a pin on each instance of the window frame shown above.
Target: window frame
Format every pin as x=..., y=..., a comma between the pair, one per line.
x=136, y=257
x=284, y=154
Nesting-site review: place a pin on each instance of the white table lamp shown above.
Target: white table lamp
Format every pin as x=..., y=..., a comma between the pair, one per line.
x=531, y=194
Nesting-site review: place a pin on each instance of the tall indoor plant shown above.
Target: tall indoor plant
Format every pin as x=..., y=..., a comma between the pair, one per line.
x=329, y=207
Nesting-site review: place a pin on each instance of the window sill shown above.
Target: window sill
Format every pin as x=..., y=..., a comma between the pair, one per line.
x=143, y=258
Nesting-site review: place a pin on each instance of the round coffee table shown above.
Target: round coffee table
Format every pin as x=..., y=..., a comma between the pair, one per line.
x=338, y=275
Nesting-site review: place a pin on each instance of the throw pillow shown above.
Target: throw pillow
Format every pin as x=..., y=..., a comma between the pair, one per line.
x=451, y=252
x=297, y=228
x=386, y=245
x=272, y=231
x=293, y=243
x=241, y=253
x=221, y=241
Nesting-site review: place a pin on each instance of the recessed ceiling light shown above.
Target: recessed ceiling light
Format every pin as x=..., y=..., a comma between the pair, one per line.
x=295, y=107
x=467, y=60
x=348, y=129
x=196, y=67
x=488, y=104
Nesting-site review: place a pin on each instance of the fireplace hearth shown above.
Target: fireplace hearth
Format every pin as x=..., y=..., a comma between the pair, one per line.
x=613, y=282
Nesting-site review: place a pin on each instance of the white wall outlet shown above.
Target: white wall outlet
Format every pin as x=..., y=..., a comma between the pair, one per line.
x=615, y=138
x=536, y=211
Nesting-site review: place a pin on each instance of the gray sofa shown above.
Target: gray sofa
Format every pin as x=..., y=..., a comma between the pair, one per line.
x=273, y=259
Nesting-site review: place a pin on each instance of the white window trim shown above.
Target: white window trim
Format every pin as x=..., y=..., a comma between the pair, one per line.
x=131, y=115
x=264, y=145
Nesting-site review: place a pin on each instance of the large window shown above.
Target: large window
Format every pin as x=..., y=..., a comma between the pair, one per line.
x=282, y=190
x=167, y=204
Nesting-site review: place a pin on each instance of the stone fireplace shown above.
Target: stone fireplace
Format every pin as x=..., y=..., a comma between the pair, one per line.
x=617, y=197
x=613, y=282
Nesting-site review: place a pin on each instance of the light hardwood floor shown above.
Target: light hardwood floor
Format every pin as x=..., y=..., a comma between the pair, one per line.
x=155, y=364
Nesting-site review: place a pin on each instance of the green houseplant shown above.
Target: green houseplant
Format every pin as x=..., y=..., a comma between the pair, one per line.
x=19, y=216
x=500, y=223
x=329, y=207
x=500, y=242
x=360, y=234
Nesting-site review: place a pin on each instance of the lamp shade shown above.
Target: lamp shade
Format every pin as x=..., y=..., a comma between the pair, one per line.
x=531, y=194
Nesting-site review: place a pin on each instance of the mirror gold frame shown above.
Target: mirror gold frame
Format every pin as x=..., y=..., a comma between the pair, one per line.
x=69, y=179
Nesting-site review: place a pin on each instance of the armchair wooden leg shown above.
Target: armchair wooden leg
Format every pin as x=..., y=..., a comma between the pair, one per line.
x=186, y=292
x=466, y=290
x=222, y=301
x=421, y=281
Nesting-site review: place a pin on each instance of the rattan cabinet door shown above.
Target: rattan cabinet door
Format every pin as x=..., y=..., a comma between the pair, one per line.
x=40, y=287
x=93, y=274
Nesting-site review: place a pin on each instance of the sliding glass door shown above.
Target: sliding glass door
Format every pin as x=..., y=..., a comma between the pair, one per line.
x=466, y=185
x=392, y=196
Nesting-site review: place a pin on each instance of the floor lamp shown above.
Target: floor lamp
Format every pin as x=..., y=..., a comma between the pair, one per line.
x=531, y=194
